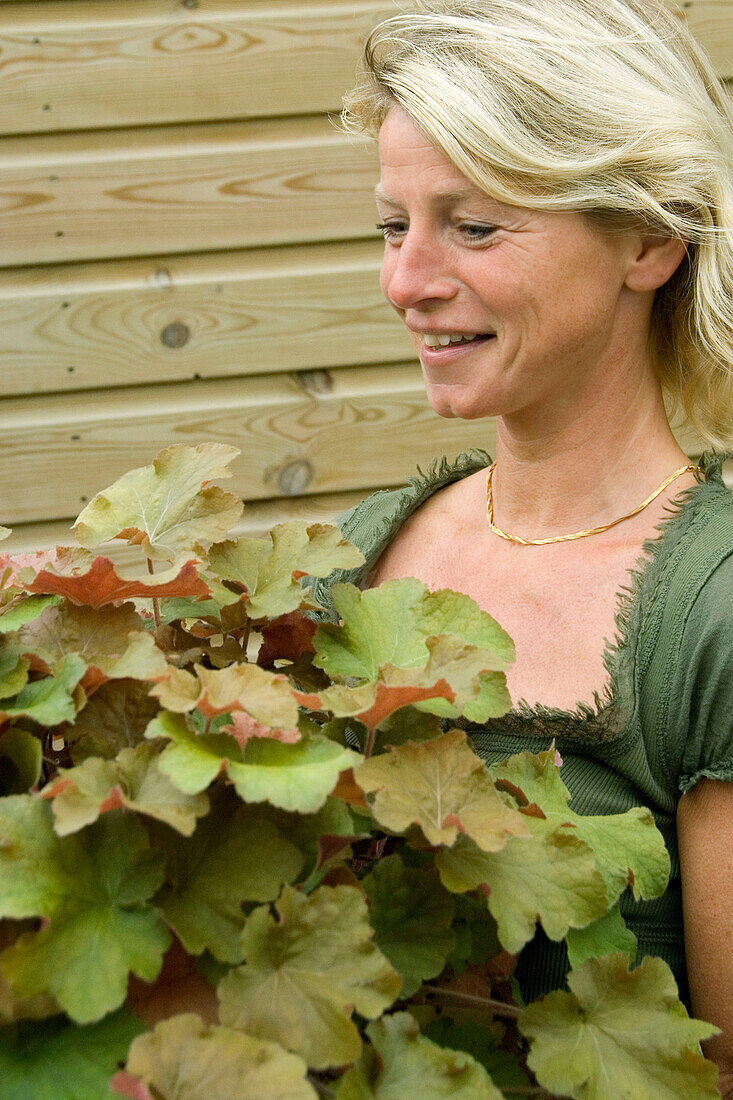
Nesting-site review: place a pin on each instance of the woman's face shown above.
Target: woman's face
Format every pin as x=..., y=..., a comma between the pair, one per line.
x=540, y=298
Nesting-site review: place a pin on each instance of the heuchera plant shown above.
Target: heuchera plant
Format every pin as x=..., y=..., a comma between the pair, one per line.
x=289, y=877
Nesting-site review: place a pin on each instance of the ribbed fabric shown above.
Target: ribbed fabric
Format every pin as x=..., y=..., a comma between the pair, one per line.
x=667, y=717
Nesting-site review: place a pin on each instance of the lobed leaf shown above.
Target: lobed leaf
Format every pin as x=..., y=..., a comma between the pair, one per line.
x=183, y=1059
x=57, y=1060
x=605, y=936
x=266, y=696
x=92, y=887
x=441, y=786
x=100, y=583
x=401, y=1062
x=270, y=571
x=115, y=718
x=49, y=701
x=618, y=1033
x=167, y=507
x=306, y=972
x=411, y=914
x=133, y=781
x=297, y=777
x=628, y=848
x=111, y=642
x=550, y=878
x=233, y=857
x=390, y=625
x=15, y=615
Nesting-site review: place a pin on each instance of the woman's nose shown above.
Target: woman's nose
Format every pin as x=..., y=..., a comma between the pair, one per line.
x=414, y=273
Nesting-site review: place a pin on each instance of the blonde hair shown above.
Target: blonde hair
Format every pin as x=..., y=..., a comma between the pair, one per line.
x=607, y=107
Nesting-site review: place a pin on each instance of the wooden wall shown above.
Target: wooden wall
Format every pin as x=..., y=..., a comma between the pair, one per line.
x=187, y=253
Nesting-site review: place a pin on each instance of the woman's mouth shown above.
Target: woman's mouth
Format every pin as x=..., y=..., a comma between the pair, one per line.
x=439, y=345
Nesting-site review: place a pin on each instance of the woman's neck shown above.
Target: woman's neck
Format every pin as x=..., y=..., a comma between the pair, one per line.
x=585, y=466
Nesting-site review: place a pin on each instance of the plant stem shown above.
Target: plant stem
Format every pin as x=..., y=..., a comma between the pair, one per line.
x=469, y=1000
x=156, y=602
x=245, y=639
x=369, y=746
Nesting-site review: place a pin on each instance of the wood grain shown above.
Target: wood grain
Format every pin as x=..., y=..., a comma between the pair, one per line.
x=90, y=65
x=213, y=315
x=83, y=196
x=371, y=427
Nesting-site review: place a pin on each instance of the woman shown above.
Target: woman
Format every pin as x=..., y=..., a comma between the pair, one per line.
x=556, y=198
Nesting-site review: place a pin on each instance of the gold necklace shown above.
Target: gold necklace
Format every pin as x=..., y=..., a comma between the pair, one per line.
x=575, y=534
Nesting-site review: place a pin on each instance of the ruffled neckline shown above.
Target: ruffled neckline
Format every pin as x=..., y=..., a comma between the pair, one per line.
x=606, y=716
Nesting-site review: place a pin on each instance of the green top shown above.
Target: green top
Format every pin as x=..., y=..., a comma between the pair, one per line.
x=666, y=718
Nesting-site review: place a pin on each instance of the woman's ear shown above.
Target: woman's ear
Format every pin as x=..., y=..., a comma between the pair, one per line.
x=654, y=262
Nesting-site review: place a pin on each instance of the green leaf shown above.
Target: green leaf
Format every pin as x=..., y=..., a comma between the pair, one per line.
x=390, y=625
x=441, y=786
x=411, y=914
x=110, y=640
x=115, y=718
x=92, y=887
x=605, y=936
x=476, y=932
x=401, y=1062
x=477, y=1040
x=233, y=857
x=15, y=616
x=454, y=681
x=305, y=830
x=167, y=507
x=21, y=761
x=297, y=777
x=269, y=570
x=306, y=972
x=57, y=1060
x=628, y=847
x=550, y=878
x=618, y=1033
x=13, y=671
x=49, y=701
x=183, y=1059
x=133, y=782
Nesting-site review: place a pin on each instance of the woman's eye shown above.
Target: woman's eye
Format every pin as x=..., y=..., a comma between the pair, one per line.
x=391, y=230
x=474, y=231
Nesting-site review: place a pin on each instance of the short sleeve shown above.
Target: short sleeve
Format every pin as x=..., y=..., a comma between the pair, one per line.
x=705, y=692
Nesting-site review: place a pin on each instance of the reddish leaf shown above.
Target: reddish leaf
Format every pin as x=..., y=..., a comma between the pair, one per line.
x=243, y=726
x=101, y=584
x=389, y=699
x=348, y=790
x=288, y=637
x=124, y=1084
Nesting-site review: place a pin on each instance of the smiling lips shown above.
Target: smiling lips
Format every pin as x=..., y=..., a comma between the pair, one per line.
x=445, y=339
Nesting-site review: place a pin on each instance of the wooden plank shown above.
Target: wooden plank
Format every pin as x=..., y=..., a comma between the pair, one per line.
x=182, y=189
x=371, y=427
x=257, y=520
x=90, y=65
x=134, y=322
x=83, y=65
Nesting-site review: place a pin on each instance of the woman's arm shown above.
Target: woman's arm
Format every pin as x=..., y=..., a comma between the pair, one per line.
x=705, y=836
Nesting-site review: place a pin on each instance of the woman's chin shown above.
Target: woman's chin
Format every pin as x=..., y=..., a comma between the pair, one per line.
x=455, y=403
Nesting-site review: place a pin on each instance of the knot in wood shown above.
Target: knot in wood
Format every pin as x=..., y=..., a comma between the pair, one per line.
x=295, y=478
x=315, y=381
x=175, y=335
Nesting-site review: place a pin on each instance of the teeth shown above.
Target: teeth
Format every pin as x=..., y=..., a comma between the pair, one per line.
x=443, y=339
